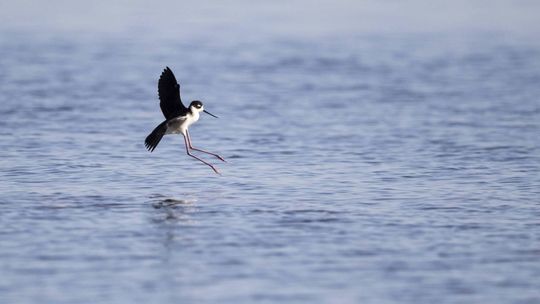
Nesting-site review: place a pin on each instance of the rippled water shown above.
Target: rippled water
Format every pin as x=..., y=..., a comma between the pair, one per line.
x=361, y=169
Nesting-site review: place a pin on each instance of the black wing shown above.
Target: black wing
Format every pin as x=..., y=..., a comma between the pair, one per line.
x=169, y=95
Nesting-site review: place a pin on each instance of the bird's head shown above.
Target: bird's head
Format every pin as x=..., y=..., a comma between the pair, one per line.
x=197, y=105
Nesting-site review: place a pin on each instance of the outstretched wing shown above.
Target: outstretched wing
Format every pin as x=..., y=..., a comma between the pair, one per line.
x=169, y=95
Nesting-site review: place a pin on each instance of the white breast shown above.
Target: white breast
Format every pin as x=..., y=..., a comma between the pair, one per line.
x=179, y=125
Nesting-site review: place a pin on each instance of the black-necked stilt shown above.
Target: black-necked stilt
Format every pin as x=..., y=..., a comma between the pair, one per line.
x=178, y=118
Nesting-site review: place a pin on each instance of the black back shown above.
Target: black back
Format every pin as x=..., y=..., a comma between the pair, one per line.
x=169, y=95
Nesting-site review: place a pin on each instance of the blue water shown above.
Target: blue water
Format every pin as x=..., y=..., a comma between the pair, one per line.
x=361, y=169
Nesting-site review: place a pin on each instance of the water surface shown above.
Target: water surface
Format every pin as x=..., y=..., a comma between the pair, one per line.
x=361, y=169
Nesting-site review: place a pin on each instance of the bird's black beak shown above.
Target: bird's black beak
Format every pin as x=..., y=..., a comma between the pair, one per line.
x=210, y=114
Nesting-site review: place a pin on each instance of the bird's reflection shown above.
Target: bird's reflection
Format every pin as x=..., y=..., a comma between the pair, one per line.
x=172, y=209
x=173, y=217
x=171, y=202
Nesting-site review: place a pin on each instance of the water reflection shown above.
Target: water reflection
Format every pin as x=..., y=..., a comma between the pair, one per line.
x=172, y=209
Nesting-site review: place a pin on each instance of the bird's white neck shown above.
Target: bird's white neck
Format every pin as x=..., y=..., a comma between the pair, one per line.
x=193, y=115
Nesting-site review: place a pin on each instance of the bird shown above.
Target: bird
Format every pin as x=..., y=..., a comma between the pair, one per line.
x=178, y=118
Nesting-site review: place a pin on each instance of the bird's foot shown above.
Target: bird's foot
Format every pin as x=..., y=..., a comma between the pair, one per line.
x=215, y=170
x=221, y=158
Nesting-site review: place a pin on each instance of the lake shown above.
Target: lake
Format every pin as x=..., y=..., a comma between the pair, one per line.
x=361, y=168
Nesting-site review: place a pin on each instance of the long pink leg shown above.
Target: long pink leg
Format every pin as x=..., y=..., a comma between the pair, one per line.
x=187, y=151
x=200, y=150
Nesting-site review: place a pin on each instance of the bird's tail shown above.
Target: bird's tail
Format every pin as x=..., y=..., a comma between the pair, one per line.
x=152, y=140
